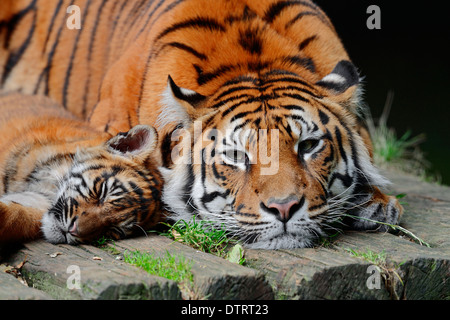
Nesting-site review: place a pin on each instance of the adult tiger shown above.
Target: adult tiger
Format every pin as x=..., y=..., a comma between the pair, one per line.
x=61, y=179
x=236, y=65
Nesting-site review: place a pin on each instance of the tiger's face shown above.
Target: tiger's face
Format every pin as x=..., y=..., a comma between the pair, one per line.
x=274, y=160
x=112, y=191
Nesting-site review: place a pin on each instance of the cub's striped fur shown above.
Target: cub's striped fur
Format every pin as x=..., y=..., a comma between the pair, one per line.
x=70, y=181
x=239, y=71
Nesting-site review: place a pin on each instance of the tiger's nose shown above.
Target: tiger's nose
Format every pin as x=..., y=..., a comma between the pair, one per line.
x=284, y=208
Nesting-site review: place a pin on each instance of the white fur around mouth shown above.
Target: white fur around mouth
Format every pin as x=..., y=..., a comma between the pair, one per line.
x=54, y=231
x=284, y=241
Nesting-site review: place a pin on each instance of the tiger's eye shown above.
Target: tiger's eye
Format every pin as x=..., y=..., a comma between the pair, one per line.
x=307, y=145
x=236, y=156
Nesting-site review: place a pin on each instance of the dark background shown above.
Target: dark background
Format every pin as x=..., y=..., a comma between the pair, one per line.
x=409, y=55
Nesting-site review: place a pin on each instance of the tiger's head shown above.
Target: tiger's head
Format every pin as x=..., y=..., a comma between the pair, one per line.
x=111, y=190
x=273, y=158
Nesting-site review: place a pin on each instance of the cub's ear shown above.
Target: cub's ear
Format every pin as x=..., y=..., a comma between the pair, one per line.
x=182, y=106
x=138, y=143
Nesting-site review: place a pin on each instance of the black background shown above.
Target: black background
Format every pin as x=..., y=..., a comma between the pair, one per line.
x=409, y=55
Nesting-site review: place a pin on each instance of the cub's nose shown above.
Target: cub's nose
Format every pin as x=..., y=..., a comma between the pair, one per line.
x=284, y=208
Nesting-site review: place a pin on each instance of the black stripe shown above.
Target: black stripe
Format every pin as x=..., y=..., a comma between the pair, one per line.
x=347, y=181
x=14, y=56
x=216, y=173
x=90, y=48
x=205, y=77
x=289, y=79
x=234, y=89
x=250, y=41
x=288, y=129
x=306, y=42
x=299, y=16
x=203, y=167
x=137, y=10
x=186, y=48
x=242, y=125
x=72, y=57
x=279, y=72
x=167, y=9
x=247, y=15
x=250, y=100
x=149, y=17
x=298, y=117
x=187, y=190
x=133, y=11
x=136, y=189
x=295, y=88
x=46, y=71
x=338, y=135
x=166, y=145
x=323, y=117
x=241, y=79
x=14, y=21
x=317, y=206
x=330, y=157
x=209, y=197
x=240, y=115
x=52, y=22
x=53, y=160
x=304, y=62
x=258, y=65
x=198, y=22
x=295, y=96
x=275, y=9
x=11, y=166
x=317, y=152
x=293, y=107
x=226, y=101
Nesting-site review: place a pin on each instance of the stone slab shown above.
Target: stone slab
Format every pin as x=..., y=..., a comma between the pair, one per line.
x=55, y=270
x=214, y=278
x=13, y=289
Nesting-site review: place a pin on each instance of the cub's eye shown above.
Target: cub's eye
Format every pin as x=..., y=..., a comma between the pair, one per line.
x=237, y=156
x=307, y=145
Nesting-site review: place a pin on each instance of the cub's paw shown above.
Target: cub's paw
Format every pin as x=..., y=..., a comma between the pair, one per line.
x=375, y=212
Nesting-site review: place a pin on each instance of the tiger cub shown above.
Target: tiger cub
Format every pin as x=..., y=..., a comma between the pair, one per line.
x=65, y=181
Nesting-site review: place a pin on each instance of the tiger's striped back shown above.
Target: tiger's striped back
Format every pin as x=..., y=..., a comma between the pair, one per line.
x=125, y=49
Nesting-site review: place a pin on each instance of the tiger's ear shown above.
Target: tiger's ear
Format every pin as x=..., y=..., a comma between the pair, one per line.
x=181, y=105
x=342, y=82
x=137, y=144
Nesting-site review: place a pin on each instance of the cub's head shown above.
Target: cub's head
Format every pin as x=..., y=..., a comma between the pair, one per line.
x=112, y=190
x=272, y=157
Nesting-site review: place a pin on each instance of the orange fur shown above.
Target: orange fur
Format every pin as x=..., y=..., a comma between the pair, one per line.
x=41, y=144
x=250, y=64
x=127, y=68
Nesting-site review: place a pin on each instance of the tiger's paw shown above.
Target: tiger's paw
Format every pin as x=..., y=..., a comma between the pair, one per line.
x=376, y=212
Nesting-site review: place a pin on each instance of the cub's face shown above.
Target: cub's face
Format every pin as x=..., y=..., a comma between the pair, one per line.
x=107, y=192
x=276, y=162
